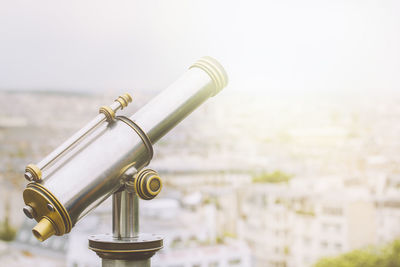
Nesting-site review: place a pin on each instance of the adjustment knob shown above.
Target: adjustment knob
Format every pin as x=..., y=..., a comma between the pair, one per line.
x=148, y=184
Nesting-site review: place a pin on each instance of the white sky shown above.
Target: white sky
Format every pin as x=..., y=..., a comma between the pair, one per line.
x=285, y=45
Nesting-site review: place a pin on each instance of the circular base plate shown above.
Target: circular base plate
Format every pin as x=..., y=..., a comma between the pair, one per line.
x=143, y=246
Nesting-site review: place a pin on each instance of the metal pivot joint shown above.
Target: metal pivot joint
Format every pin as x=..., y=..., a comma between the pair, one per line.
x=126, y=246
x=147, y=184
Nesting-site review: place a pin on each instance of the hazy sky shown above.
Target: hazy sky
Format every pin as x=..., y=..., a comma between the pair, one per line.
x=285, y=45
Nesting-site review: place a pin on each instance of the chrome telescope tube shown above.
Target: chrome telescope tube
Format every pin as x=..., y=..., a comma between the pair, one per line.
x=204, y=79
x=34, y=172
x=89, y=167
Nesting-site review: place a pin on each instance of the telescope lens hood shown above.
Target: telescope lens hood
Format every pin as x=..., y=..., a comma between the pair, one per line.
x=215, y=70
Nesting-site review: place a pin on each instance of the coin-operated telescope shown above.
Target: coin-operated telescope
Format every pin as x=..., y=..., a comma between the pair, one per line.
x=107, y=157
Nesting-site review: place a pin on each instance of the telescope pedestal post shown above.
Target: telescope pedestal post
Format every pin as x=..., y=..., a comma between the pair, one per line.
x=125, y=214
x=126, y=246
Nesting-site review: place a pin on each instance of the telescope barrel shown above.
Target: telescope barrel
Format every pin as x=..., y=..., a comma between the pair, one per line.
x=89, y=167
x=71, y=141
x=204, y=79
x=34, y=172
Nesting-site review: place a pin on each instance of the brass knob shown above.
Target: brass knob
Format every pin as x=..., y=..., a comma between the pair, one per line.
x=124, y=100
x=148, y=184
x=33, y=172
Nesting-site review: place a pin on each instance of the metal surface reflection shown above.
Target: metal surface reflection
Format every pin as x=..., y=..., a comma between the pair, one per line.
x=107, y=157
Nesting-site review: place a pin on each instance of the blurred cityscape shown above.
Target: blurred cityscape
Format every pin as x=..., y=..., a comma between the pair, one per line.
x=250, y=179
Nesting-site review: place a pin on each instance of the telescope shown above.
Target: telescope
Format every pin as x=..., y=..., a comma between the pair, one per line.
x=107, y=157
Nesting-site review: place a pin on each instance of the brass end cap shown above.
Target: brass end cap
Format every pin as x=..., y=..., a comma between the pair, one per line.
x=43, y=206
x=124, y=100
x=32, y=172
x=108, y=112
x=43, y=229
x=148, y=184
x=154, y=184
x=215, y=70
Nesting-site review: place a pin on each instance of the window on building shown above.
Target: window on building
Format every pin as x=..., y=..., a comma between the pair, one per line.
x=192, y=238
x=213, y=264
x=324, y=244
x=286, y=250
x=176, y=242
x=306, y=240
x=325, y=227
x=280, y=264
x=329, y=210
x=265, y=201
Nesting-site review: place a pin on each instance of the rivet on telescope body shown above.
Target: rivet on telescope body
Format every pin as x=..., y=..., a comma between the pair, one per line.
x=29, y=212
x=50, y=207
x=28, y=176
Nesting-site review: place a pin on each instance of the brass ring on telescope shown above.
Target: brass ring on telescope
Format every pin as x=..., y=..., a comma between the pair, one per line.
x=126, y=251
x=142, y=183
x=124, y=100
x=142, y=135
x=215, y=70
x=108, y=112
x=35, y=171
x=149, y=187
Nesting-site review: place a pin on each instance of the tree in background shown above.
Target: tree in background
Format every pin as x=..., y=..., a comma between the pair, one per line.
x=386, y=256
x=7, y=232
